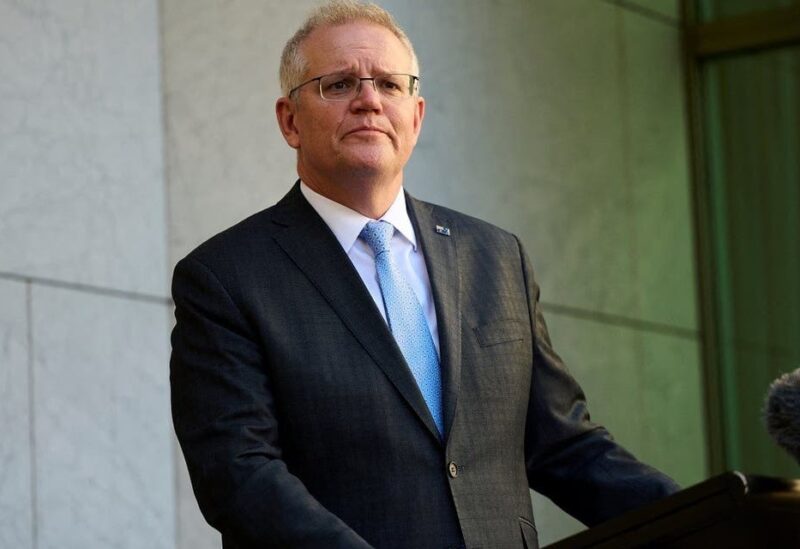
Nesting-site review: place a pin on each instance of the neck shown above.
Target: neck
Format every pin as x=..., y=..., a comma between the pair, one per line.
x=369, y=196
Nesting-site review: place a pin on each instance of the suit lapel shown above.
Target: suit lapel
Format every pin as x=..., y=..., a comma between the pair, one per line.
x=311, y=245
x=442, y=261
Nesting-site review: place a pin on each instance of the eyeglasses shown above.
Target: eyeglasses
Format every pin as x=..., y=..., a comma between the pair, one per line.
x=344, y=87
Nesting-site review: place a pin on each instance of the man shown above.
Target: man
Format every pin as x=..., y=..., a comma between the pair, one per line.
x=356, y=368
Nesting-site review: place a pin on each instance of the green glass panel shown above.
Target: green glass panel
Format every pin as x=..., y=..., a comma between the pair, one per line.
x=752, y=110
x=712, y=10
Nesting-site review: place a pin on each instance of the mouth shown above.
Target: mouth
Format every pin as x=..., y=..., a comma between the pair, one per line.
x=366, y=130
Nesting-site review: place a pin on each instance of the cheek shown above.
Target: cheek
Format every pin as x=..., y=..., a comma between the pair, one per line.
x=409, y=122
x=409, y=133
x=319, y=138
x=319, y=124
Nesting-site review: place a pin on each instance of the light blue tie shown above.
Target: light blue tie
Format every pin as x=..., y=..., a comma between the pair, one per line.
x=406, y=318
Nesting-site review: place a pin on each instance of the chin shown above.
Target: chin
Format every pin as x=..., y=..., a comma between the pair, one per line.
x=366, y=171
x=369, y=164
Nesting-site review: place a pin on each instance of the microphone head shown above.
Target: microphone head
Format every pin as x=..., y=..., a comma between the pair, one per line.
x=782, y=412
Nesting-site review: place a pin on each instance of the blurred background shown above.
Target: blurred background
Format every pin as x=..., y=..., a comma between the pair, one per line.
x=647, y=152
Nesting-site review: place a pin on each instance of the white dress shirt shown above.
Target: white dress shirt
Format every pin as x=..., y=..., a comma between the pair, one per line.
x=346, y=225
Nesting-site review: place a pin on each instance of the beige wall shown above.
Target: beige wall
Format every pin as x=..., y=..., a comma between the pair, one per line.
x=561, y=120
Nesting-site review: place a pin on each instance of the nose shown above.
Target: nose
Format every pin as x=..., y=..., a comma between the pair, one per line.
x=367, y=97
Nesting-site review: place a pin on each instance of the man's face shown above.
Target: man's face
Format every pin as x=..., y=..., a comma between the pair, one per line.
x=368, y=135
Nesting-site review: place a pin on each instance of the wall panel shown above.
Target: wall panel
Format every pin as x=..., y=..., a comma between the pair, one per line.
x=104, y=453
x=16, y=483
x=82, y=198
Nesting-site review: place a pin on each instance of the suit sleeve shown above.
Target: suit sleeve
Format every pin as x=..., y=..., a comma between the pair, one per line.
x=569, y=459
x=224, y=416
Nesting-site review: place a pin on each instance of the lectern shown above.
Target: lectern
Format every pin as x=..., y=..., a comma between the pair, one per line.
x=732, y=510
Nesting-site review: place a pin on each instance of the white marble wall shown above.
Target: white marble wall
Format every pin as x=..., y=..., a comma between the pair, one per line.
x=82, y=195
x=16, y=495
x=86, y=453
x=102, y=431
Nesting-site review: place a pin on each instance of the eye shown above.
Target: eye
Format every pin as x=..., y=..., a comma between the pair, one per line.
x=335, y=86
x=392, y=84
x=338, y=84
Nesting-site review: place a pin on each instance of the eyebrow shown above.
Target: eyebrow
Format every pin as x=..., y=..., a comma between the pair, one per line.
x=351, y=69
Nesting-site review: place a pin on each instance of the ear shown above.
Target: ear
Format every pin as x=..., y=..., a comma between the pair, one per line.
x=285, y=110
x=419, y=114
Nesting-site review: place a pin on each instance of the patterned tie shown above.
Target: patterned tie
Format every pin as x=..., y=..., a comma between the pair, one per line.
x=406, y=318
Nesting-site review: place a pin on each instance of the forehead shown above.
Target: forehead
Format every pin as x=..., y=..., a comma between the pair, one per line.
x=355, y=46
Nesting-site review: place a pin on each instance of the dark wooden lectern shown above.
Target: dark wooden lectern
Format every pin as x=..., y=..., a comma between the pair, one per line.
x=729, y=511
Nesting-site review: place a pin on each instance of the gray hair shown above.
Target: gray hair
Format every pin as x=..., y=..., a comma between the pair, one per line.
x=332, y=13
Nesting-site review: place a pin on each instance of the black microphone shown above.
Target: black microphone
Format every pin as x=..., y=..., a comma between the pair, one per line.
x=782, y=412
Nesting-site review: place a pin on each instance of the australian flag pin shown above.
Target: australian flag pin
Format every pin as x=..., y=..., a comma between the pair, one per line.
x=443, y=230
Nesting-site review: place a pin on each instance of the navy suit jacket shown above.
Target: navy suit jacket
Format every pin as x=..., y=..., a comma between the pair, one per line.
x=302, y=425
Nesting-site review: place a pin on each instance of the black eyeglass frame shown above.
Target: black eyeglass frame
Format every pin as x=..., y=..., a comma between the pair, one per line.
x=414, y=84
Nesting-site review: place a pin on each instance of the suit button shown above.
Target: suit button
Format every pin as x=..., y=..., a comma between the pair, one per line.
x=452, y=468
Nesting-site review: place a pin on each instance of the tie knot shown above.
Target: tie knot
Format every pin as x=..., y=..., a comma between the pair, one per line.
x=377, y=235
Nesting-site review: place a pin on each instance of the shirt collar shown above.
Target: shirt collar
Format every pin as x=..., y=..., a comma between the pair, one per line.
x=346, y=224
